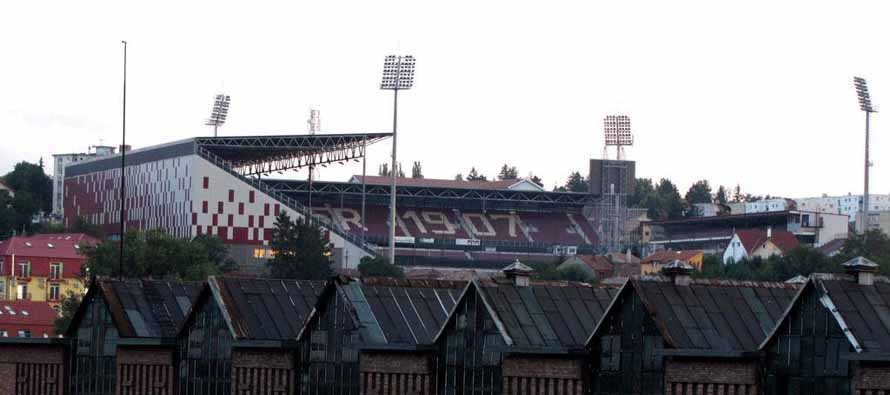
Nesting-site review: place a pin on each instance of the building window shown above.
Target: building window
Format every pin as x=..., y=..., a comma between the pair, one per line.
x=55, y=271
x=2, y=289
x=1, y=264
x=24, y=333
x=54, y=292
x=25, y=269
x=22, y=292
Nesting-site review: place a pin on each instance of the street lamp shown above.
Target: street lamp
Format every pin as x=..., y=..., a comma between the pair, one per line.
x=865, y=106
x=398, y=74
x=220, y=112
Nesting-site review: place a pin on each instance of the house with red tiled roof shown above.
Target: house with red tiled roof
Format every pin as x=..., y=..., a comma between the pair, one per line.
x=653, y=263
x=42, y=268
x=750, y=243
x=25, y=318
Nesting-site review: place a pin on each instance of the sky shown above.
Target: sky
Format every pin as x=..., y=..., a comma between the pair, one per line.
x=759, y=94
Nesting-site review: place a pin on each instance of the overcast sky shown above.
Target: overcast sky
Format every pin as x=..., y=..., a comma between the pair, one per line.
x=759, y=95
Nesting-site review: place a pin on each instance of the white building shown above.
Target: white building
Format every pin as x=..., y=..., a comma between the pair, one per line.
x=768, y=205
x=60, y=161
x=848, y=205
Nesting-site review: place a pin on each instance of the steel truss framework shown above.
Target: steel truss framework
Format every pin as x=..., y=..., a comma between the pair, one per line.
x=258, y=155
x=495, y=198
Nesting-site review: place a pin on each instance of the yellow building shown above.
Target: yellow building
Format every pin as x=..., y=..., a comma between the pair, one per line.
x=42, y=268
x=652, y=264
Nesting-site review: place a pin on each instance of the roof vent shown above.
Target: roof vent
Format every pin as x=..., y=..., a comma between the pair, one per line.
x=863, y=268
x=679, y=272
x=519, y=273
x=50, y=245
x=24, y=312
x=28, y=243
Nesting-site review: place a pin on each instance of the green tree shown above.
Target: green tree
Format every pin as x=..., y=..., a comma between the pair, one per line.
x=379, y=267
x=537, y=180
x=474, y=175
x=699, y=192
x=668, y=204
x=644, y=194
x=29, y=178
x=508, y=173
x=69, y=307
x=576, y=183
x=416, y=170
x=458, y=177
x=720, y=197
x=383, y=170
x=300, y=249
x=874, y=245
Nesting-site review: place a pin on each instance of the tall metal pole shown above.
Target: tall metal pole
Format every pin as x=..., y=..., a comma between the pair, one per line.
x=394, y=173
x=120, y=264
x=865, y=218
x=364, y=171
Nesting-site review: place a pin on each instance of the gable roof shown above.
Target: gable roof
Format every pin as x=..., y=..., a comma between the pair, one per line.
x=260, y=308
x=832, y=247
x=710, y=315
x=596, y=262
x=670, y=255
x=861, y=311
x=63, y=246
x=494, y=185
x=544, y=316
x=142, y=308
x=753, y=238
x=394, y=313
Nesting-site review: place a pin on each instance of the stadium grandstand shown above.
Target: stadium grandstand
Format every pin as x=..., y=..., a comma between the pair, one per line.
x=223, y=186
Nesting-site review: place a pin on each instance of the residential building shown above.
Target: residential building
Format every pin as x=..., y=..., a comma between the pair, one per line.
x=60, y=161
x=751, y=243
x=876, y=220
x=24, y=318
x=712, y=234
x=653, y=264
x=849, y=205
x=42, y=268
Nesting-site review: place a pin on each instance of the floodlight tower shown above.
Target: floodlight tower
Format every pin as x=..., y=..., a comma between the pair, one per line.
x=865, y=106
x=617, y=133
x=219, y=113
x=314, y=123
x=398, y=74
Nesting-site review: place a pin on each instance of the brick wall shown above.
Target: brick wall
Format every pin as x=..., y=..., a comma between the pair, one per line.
x=710, y=377
x=542, y=376
x=145, y=371
x=262, y=372
x=396, y=373
x=871, y=379
x=31, y=369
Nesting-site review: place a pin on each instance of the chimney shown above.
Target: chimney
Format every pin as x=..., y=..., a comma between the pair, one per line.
x=679, y=272
x=862, y=268
x=519, y=273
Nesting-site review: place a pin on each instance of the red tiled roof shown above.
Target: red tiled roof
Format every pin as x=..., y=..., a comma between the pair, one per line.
x=753, y=238
x=596, y=262
x=438, y=183
x=670, y=255
x=47, y=245
x=26, y=312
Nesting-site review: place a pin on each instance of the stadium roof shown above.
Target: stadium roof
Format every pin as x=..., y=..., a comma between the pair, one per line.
x=497, y=185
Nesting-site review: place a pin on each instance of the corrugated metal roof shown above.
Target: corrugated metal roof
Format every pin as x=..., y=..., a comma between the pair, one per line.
x=716, y=315
x=864, y=308
x=552, y=315
x=266, y=309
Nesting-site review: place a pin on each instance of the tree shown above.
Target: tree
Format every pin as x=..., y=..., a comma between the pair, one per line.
x=874, y=245
x=69, y=307
x=473, y=175
x=737, y=194
x=508, y=173
x=576, y=183
x=644, y=194
x=383, y=170
x=156, y=254
x=81, y=225
x=300, y=250
x=668, y=204
x=720, y=198
x=29, y=178
x=458, y=177
x=379, y=267
x=699, y=192
x=416, y=170
x=537, y=180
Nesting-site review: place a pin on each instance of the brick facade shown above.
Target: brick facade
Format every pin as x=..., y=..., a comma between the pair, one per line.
x=871, y=379
x=32, y=369
x=145, y=371
x=263, y=372
x=543, y=376
x=396, y=373
x=711, y=377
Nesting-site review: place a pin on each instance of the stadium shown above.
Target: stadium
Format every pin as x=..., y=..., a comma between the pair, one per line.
x=226, y=187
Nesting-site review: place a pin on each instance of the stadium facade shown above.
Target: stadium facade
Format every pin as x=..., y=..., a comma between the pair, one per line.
x=212, y=186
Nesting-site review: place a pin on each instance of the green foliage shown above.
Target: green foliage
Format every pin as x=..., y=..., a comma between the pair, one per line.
x=458, y=177
x=537, y=180
x=156, y=254
x=800, y=261
x=644, y=194
x=721, y=195
x=383, y=170
x=508, y=173
x=668, y=204
x=69, y=307
x=551, y=272
x=874, y=245
x=379, y=267
x=699, y=192
x=300, y=249
x=474, y=175
x=575, y=183
x=29, y=178
x=416, y=170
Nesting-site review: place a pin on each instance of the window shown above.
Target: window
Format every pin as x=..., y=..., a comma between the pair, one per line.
x=2, y=289
x=54, y=292
x=55, y=270
x=1, y=264
x=24, y=333
x=25, y=269
x=22, y=292
x=4, y=333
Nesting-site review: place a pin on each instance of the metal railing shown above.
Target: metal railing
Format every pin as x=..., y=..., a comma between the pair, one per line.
x=315, y=219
